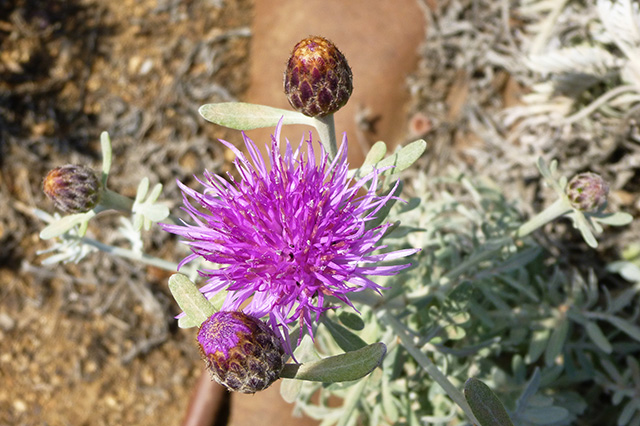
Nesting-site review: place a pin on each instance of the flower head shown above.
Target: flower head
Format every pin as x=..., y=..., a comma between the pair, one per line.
x=587, y=191
x=318, y=79
x=72, y=188
x=287, y=236
x=241, y=352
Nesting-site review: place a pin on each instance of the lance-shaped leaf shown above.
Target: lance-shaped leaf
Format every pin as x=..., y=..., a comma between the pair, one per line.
x=485, y=404
x=196, y=307
x=399, y=161
x=245, y=116
x=64, y=224
x=340, y=368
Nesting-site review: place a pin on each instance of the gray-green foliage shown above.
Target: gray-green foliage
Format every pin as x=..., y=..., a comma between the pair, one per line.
x=548, y=339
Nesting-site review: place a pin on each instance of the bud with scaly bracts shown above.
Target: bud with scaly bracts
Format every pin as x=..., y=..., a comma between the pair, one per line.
x=587, y=192
x=241, y=352
x=318, y=79
x=72, y=188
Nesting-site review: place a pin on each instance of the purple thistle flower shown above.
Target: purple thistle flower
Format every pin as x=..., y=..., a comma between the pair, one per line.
x=289, y=236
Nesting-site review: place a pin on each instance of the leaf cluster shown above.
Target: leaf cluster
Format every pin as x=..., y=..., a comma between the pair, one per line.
x=477, y=303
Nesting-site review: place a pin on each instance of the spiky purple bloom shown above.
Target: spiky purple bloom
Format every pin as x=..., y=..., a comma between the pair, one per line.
x=287, y=236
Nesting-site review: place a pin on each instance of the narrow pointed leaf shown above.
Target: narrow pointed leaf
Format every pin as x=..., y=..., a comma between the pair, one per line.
x=597, y=336
x=105, y=143
x=556, y=342
x=340, y=368
x=625, y=326
x=485, y=404
x=245, y=116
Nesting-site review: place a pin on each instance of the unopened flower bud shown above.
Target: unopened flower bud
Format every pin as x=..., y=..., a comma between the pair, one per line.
x=587, y=191
x=241, y=352
x=318, y=79
x=73, y=189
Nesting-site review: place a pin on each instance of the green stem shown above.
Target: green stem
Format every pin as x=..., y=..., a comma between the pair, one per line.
x=558, y=208
x=130, y=254
x=426, y=364
x=114, y=201
x=327, y=130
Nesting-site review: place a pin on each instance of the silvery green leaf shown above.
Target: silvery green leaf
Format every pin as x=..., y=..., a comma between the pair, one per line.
x=190, y=299
x=355, y=395
x=64, y=224
x=290, y=389
x=105, y=143
x=155, y=212
x=374, y=419
x=613, y=219
x=68, y=248
x=376, y=153
x=322, y=412
x=621, y=20
x=155, y=193
x=138, y=221
x=346, y=339
x=129, y=231
x=597, y=336
x=340, y=368
x=143, y=188
x=306, y=351
x=548, y=173
x=146, y=210
x=545, y=415
x=628, y=411
x=528, y=391
x=352, y=320
x=587, y=59
x=245, y=116
x=622, y=299
x=399, y=161
x=629, y=271
x=485, y=404
x=612, y=371
x=556, y=341
x=580, y=223
x=188, y=322
x=388, y=401
x=625, y=326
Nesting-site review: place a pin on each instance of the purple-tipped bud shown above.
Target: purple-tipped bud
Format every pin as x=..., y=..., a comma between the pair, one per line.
x=241, y=352
x=587, y=191
x=318, y=79
x=73, y=189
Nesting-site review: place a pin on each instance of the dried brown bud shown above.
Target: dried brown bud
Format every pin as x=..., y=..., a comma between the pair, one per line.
x=241, y=352
x=72, y=188
x=318, y=79
x=587, y=191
